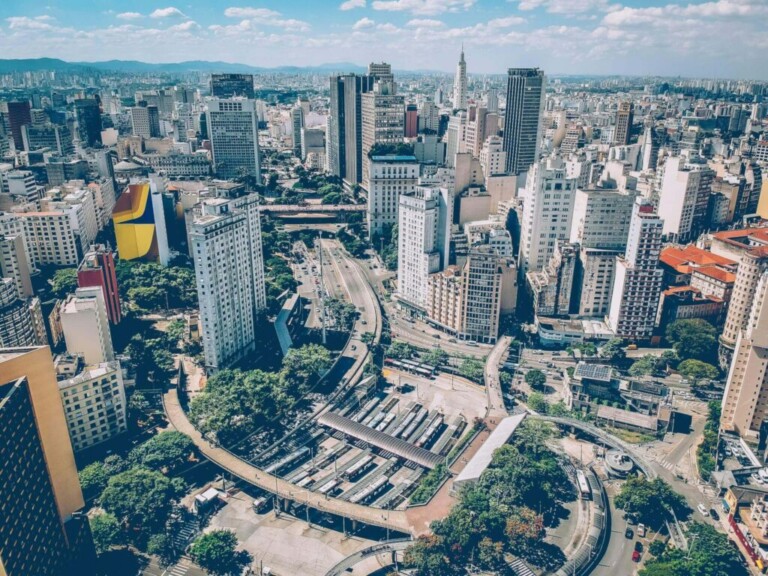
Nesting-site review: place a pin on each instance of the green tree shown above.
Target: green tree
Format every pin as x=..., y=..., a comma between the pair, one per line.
x=106, y=532
x=435, y=357
x=141, y=498
x=649, y=501
x=303, y=365
x=536, y=402
x=64, y=282
x=400, y=350
x=93, y=479
x=216, y=553
x=648, y=365
x=161, y=545
x=697, y=370
x=695, y=338
x=138, y=402
x=472, y=369
x=164, y=452
x=535, y=378
x=613, y=350
x=506, y=379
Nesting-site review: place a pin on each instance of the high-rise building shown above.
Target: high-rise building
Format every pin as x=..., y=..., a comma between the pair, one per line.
x=552, y=287
x=481, y=300
x=347, y=128
x=522, y=118
x=460, y=84
x=391, y=176
x=492, y=157
x=638, y=277
x=42, y=530
x=429, y=118
x=57, y=138
x=411, y=121
x=297, y=121
x=85, y=324
x=139, y=220
x=601, y=218
x=423, y=241
x=336, y=134
x=17, y=324
x=98, y=269
x=547, y=212
x=492, y=101
x=226, y=247
x=232, y=85
x=53, y=236
x=686, y=187
x=623, y=129
x=383, y=120
x=745, y=403
x=19, y=114
x=145, y=121
x=88, y=116
x=233, y=132
x=15, y=263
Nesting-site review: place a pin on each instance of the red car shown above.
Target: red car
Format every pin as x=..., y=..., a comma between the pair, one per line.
x=635, y=556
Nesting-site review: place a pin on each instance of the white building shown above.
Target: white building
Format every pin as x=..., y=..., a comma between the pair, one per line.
x=547, y=212
x=601, y=218
x=460, y=84
x=85, y=324
x=145, y=121
x=493, y=157
x=226, y=247
x=233, y=132
x=94, y=404
x=638, y=279
x=391, y=176
x=684, y=198
x=52, y=237
x=424, y=236
x=383, y=119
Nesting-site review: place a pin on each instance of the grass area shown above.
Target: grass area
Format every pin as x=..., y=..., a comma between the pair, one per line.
x=429, y=485
x=462, y=443
x=629, y=436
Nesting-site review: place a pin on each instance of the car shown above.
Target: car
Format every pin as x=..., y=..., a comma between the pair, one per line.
x=436, y=336
x=714, y=514
x=635, y=556
x=629, y=533
x=638, y=546
x=452, y=340
x=364, y=322
x=702, y=509
x=641, y=530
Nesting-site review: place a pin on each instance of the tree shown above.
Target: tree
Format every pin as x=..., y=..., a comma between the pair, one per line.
x=163, y=452
x=697, y=370
x=695, y=338
x=138, y=402
x=106, y=532
x=648, y=365
x=64, y=282
x=535, y=378
x=400, y=350
x=215, y=552
x=536, y=402
x=161, y=545
x=506, y=379
x=524, y=529
x=305, y=364
x=472, y=369
x=435, y=357
x=93, y=479
x=613, y=350
x=141, y=498
x=649, y=501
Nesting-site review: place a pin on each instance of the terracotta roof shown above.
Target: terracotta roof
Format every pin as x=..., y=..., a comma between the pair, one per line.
x=688, y=257
x=743, y=237
x=717, y=273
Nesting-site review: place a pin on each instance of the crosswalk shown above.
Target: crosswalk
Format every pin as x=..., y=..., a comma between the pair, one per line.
x=180, y=568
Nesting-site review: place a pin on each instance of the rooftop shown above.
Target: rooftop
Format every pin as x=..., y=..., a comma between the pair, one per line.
x=593, y=371
x=482, y=458
x=685, y=259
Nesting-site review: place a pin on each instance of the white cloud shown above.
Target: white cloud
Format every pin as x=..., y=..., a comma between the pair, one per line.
x=388, y=28
x=424, y=23
x=352, y=4
x=24, y=22
x=363, y=23
x=185, y=26
x=506, y=22
x=566, y=6
x=671, y=13
x=129, y=16
x=423, y=7
x=250, y=13
x=169, y=12
x=267, y=17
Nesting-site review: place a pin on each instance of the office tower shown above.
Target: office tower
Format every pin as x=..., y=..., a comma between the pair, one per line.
x=522, y=118
x=547, y=212
x=650, y=148
x=354, y=87
x=638, y=278
x=684, y=198
x=145, y=121
x=745, y=405
x=85, y=324
x=455, y=137
x=492, y=101
x=336, y=135
x=381, y=71
x=424, y=237
x=98, y=269
x=233, y=132
x=41, y=529
x=19, y=114
x=57, y=138
x=623, y=129
x=601, y=218
x=481, y=300
x=139, y=221
x=96, y=390
x=391, y=176
x=460, y=84
x=88, y=117
x=17, y=325
x=226, y=246
x=15, y=263
x=429, y=118
x=383, y=120
x=232, y=85
x=439, y=95
x=297, y=121
x=411, y=121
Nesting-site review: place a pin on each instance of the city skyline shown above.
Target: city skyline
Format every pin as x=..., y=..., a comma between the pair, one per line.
x=663, y=38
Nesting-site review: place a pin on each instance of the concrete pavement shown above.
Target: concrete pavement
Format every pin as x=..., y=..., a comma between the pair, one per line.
x=496, y=407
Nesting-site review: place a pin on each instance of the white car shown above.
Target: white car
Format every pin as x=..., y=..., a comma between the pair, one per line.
x=703, y=509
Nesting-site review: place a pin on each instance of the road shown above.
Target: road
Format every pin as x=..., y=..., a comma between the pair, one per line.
x=423, y=336
x=493, y=389
x=617, y=560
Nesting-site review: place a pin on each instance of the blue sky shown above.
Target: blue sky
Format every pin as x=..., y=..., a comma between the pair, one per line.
x=723, y=38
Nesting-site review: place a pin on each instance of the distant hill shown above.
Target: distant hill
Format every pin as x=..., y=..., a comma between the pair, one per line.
x=136, y=67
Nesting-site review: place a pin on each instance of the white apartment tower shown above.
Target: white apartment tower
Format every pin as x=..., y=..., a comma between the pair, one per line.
x=382, y=118
x=226, y=247
x=424, y=235
x=233, y=132
x=684, y=198
x=85, y=324
x=460, y=84
x=391, y=176
x=547, y=212
x=492, y=157
x=638, y=278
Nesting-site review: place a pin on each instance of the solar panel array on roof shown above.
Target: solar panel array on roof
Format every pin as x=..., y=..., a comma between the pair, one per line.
x=381, y=440
x=593, y=371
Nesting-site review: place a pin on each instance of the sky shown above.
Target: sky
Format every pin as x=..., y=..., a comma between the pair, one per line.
x=716, y=38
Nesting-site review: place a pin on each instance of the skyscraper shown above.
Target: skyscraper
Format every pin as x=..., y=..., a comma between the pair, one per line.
x=460, y=84
x=391, y=176
x=233, y=131
x=411, y=121
x=88, y=121
x=522, y=117
x=145, y=121
x=623, y=128
x=382, y=118
x=336, y=136
x=98, y=269
x=231, y=85
x=41, y=529
x=85, y=324
x=638, y=279
x=226, y=246
x=684, y=197
x=19, y=114
x=297, y=121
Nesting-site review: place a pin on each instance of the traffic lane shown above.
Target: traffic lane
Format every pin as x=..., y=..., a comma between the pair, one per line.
x=617, y=560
